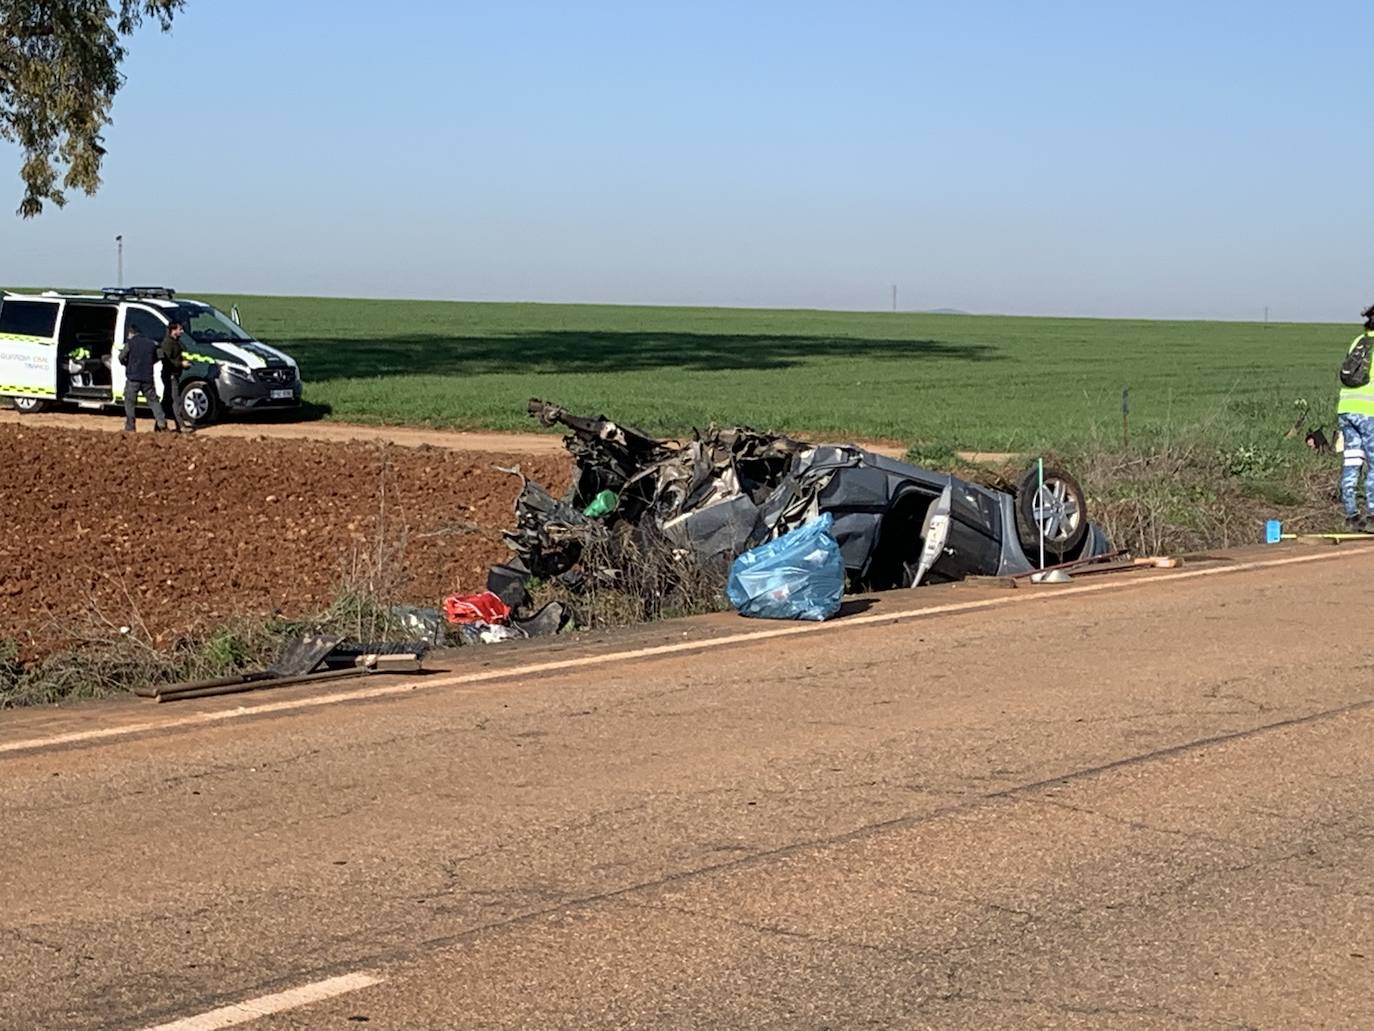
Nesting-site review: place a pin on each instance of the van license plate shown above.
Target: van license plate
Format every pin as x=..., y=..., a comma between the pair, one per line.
x=282, y=395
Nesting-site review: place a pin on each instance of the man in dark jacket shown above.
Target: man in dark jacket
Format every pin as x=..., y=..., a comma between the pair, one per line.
x=138, y=357
x=174, y=360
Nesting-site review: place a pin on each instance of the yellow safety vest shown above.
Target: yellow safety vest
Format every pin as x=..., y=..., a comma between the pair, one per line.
x=1357, y=400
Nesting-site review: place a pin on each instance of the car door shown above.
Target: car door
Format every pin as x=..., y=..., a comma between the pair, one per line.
x=28, y=346
x=972, y=545
x=142, y=320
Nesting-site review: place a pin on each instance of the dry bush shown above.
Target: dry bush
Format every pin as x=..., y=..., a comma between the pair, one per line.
x=109, y=650
x=1190, y=493
x=373, y=581
x=636, y=575
x=99, y=656
x=1190, y=489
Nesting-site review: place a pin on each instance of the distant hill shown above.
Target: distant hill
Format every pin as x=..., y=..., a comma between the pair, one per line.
x=946, y=311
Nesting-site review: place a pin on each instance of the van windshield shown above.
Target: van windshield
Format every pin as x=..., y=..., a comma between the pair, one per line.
x=208, y=325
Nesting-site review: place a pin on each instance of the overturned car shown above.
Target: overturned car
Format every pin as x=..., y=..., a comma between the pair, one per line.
x=730, y=489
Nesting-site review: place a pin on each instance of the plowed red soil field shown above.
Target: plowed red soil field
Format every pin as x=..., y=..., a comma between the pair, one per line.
x=180, y=533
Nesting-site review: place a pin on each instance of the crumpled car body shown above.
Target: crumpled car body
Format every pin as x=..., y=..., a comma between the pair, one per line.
x=730, y=489
x=899, y=525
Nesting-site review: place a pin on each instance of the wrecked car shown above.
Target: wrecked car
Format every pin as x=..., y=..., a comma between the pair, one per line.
x=729, y=489
x=901, y=526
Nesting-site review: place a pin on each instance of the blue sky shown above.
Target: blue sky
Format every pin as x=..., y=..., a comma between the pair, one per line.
x=1160, y=160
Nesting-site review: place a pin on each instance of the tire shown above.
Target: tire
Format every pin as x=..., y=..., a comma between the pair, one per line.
x=1065, y=516
x=199, y=403
x=28, y=405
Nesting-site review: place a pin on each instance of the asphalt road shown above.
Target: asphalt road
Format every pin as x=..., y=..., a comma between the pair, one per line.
x=1144, y=807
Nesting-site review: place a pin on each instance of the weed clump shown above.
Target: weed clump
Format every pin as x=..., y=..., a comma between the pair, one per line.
x=1189, y=489
x=100, y=655
x=1207, y=486
x=634, y=574
x=99, y=660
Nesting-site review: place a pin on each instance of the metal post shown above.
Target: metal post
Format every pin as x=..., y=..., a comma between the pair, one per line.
x=1126, y=417
x=119, y=251
x=1040, y=502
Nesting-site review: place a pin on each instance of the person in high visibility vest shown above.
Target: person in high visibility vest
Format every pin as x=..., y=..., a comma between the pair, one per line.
x=1355, y=418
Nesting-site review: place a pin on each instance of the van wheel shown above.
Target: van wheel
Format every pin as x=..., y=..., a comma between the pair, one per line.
x=199, y=402
x=28, y=405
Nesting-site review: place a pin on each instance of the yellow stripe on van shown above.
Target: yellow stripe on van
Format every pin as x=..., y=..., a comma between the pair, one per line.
x=11, y=391
x=26, y=339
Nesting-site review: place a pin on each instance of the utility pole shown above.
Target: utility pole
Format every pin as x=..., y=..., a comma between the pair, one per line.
x=894, y=296
x=119, y=259
x=1266, y=314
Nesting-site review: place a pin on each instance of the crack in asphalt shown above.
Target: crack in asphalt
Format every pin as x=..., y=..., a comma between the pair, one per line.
x=1140, y=825
x=951, y=974
x=956, y=899
x=31, y=940
x=1303, y=852
x=208, y=772
x=1074, y=1009
x=772, y=930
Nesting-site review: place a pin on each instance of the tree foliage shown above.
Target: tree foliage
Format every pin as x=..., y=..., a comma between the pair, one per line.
x=59, y=73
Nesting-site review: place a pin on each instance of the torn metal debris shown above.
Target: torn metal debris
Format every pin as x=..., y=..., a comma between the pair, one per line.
x=304, y=660
x=729, y=489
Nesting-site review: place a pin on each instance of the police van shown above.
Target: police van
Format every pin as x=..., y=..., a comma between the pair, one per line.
x=64, y=347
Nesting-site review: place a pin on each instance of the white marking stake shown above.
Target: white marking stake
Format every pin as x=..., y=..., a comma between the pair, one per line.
x=1040, y=497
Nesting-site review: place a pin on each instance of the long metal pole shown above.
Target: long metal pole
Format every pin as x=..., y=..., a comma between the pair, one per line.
x=1040, y=500
x=1126, y=417
x=213, y=689
x=119, y=250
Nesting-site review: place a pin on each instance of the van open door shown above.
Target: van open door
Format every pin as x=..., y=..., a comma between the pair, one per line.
x=28, y=350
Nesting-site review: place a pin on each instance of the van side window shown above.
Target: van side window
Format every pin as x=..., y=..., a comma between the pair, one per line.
x=28, y=318
x=146, y=323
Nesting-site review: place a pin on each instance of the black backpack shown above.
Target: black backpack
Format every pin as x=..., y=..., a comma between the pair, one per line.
x=1355, y=368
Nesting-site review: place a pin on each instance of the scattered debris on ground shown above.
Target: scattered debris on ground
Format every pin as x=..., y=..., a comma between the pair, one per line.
x=307, y=658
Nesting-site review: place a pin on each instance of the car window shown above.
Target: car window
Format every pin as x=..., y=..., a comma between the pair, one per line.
x=145, y=322
x=28, y=318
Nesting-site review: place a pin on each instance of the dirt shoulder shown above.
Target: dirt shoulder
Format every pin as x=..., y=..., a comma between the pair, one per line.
x=343, y=432
x=179, y=533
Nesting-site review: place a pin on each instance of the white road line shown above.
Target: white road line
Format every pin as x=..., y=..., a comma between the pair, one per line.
x=677, y=648
x=264, y=1005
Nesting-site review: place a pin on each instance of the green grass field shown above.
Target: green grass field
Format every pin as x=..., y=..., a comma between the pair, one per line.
x=994, y=383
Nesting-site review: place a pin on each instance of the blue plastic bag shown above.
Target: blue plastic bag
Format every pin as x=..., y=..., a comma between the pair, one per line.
x=798, y=576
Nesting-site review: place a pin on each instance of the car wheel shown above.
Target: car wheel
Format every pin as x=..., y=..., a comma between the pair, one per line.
x=28, y=405
x=1059, y=508
x=199, y=402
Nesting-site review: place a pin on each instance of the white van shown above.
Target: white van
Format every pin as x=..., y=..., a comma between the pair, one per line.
x=62, y=348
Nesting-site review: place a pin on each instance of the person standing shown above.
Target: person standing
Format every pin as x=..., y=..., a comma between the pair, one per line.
x=1355, y=418
x=174, y=362
x=138, y=357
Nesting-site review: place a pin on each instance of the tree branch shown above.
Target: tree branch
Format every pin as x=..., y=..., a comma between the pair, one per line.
x=59, y=73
